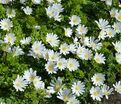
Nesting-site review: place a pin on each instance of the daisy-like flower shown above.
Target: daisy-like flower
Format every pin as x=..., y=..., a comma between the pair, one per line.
x=10, y=38
x=51, y=67
x=52, y=39
x=61, y=63
x=64, y=94
x=10, y=13
x=81, y=30
x=27, y=10
x=102, y=34
x=38, y=48
x=96, y=93
x=72, y=48
x=106, y=91
x=36, y=1
x=64, y=48
x=38, y=84
x=74, y=20
x=113, y=12
x=55, y=85
x=99, y=58
x=17, y=51
x=29, y=75
x=86, y=54
x=94, y=43
x=117, y=27
x=117, y=87
x=20, y=83
x=78, y=88
x=118, y=16
x=53, y=56
x=68, y=32
x=54, y=10
x=110, y=32
x=117, y=45
x=72, y=64
x=25, y=41
x=73, y=100
x=6, y=24
x=98, y=79
x=118, y=57
x=102, y=23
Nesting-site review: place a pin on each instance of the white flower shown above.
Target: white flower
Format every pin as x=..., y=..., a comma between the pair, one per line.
x=73, y=100
x=20, y=83
x=78, y=88
x=108, y=2
x=64, y=48
x=117, y=27
x=113, y=12
x=68, y=32
x=118, y=16
x=17, y=51
x=118, y=57
x=117, y=87
x=29, y=75
x=102, y=24
x=55, y=85
x=72, y=64
x=74, y=20
x=96, y=93
x=22, y=1
x=36, y=1
x=106, y=91
x=98, y=79
x=102, y=34
x=117, y=46
x=38, y=48
x=38, y=84
x=86, y=54
x=10, y=38
x=10, y=13
x=54, y=11
x=25, y=41
x=99, y=58
x=27, y=10
x=61, y=63
x=4, y=1
x=6, y=24
x=53, y=56
x=64, y=94
x=72, y=48
x=52, y=39
x=110, y=32
x=93, y=43
x=51, y=67
x=81, y=30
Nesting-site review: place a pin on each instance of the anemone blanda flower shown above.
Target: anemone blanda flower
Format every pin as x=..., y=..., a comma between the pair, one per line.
x=78, y=88
x=20, y=83
x=99, y=58
x=98, y=79
x=117, y=87
x=6, y=24
x=96, y=93
x=52, y=39
x=72, y=64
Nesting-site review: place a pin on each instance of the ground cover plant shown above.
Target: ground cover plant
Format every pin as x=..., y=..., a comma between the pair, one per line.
x=59, y=51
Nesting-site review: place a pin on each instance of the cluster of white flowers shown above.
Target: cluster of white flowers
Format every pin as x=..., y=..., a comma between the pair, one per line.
x=54, y=10
x=30, y=76
x=100, y=89
x=83, y=47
